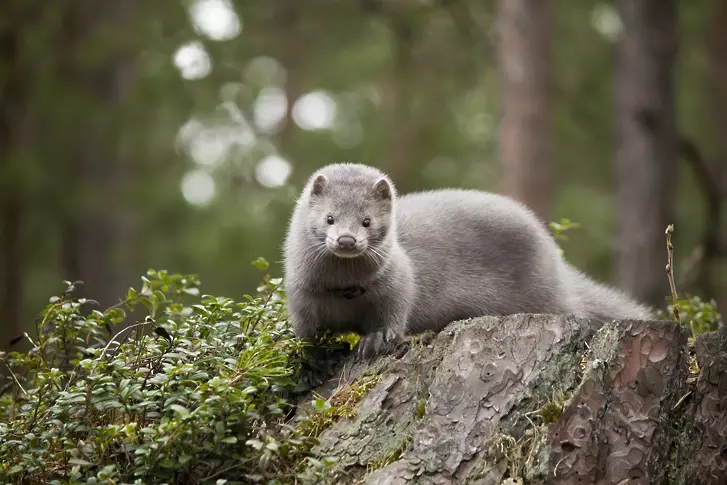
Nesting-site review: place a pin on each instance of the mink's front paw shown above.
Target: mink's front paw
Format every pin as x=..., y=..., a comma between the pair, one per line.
x=377, y=343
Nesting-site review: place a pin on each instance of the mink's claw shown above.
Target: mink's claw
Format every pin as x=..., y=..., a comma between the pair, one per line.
x=376, y=343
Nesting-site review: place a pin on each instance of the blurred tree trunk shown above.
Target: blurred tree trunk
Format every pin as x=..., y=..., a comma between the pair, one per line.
x=526, y=109
x=401, y=139
x=11, y=122
x=11, y=299
x=286, y=20
x=98, y=234
x=646, y=155
x=716, y=103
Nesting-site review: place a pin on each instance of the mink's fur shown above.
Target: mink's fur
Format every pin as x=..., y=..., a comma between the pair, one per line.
x=417, y=262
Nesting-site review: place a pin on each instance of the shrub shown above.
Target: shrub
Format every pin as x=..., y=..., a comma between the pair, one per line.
x=700, y=315
x=199, y=391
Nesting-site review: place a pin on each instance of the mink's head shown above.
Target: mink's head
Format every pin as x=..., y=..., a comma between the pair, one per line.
x=350, y=210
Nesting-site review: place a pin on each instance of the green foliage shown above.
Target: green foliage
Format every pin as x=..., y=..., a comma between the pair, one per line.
x=199, y=391
x=701, y=316
x=559, y=229
x=350, y=338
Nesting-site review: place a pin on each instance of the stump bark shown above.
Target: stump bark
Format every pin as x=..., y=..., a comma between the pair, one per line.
x=538, y=399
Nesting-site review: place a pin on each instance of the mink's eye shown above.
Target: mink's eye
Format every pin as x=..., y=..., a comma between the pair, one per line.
x=329, y=220
x=366, y=222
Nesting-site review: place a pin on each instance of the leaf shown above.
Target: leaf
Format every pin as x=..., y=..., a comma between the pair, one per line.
x=261, y=264
x=257, y=444
x=320, y=405
x=110, y=404
x=74, y=399
x=79, y=461
x=180, y=409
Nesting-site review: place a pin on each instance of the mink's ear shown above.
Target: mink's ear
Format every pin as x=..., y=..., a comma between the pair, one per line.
x=382, y=190
x=319, y=185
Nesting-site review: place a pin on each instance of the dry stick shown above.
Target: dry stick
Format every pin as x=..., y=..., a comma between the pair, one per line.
x=15, y=378
x=670, y=272
x=130, y=327
x=670, y=275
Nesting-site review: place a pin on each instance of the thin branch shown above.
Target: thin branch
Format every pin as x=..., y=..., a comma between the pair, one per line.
x=670, y=272
x=681, y=400
x=15, y=378
x=670, y=276
x=103, y=352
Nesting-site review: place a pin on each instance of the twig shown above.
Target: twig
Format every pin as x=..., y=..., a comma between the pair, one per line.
x=681, y=400
x=15, y=378
x=223, y=470
x=670, y=276
x=103, y=353
x=6, y=387
x=670, y=272
x=533, y=443
x=117, y=305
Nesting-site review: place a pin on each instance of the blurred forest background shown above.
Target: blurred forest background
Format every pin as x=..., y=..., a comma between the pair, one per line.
x=176, y=135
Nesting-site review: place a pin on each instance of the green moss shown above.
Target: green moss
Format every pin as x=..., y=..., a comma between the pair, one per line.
x=550, y=413
x=342, y=404
x=421, y=408
x=552, y=410
x=423, y=339
x=392, y=457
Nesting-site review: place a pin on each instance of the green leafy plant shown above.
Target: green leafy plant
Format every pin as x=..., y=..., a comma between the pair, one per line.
x=199, y=391
x=560, y=228
x=700, y=315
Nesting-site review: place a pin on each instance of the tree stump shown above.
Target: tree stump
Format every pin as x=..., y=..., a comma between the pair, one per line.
x=538, y=399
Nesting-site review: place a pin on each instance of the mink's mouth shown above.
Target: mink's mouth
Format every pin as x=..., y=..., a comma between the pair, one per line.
x=348, y=254
x=344, y=253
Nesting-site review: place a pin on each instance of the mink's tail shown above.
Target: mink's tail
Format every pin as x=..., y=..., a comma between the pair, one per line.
x=605, y=303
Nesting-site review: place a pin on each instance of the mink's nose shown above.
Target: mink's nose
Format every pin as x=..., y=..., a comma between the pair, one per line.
x=347, y=243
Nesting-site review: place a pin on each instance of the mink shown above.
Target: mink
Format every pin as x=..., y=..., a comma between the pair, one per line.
x=360, y=258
